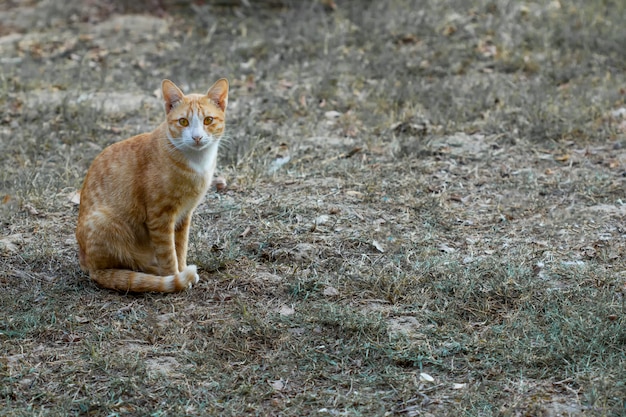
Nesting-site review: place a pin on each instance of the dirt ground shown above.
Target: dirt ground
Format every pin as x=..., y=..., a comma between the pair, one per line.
x=425, y=212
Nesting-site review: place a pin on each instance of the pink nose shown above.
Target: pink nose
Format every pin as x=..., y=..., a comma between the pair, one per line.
x=197, y=139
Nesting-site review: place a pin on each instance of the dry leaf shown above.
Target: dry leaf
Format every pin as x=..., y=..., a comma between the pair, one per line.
x=407, y=38
x=219, y=183
x=424, y=377
x=562, y=158
x=71, y=338
x=319, y=220
x=31, y=210
x=459, y=386
x=330, y=291
x=448, y=30
x=80, y=319
x=378, y=246
x=332, y=114
x=278, y=385
x=278, y=163
x=9, y=243
x=285, y=84
x=74, y=197
x=245, y=232
x=330, y=5
x=619, y=113
x=353, y=152
x=445, y=248
x=297, y=331
x=286, y=311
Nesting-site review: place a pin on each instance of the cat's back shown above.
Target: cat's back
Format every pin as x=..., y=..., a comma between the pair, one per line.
x=116, y=172
x=124, y=154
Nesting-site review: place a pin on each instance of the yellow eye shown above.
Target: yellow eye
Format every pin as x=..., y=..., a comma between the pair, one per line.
x=183, y=122
x=208, y=120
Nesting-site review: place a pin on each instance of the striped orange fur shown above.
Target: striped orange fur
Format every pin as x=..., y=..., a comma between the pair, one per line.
x=139, y=194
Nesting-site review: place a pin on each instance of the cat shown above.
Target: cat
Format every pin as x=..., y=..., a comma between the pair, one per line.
x=139, y=194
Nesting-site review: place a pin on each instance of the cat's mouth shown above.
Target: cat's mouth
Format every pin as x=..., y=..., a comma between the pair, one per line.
x=201, y=144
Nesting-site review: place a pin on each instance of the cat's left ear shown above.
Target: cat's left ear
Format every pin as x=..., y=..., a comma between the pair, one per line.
x=219, y=93
x=171, y=94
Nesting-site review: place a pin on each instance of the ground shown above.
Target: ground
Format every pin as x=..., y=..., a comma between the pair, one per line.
x=425, y=211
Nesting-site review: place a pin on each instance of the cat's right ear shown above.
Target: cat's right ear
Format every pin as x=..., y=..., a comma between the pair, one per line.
x=171, y=94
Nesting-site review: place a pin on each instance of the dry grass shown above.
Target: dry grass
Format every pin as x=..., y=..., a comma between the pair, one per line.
x=414, y=187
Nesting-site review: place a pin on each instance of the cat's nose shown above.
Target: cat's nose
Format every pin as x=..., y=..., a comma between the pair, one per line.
x=197, y=139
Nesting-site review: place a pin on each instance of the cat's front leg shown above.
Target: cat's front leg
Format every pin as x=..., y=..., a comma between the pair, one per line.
x=182, y=238
x=163, y=240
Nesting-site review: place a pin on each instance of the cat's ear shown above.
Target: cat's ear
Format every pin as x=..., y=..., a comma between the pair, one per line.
x=219, y=93
x=171, y=94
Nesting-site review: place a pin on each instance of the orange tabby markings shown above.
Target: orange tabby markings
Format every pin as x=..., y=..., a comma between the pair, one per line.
x=139, y=195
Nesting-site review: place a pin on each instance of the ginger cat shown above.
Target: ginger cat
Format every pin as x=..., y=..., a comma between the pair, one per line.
x=139, y=194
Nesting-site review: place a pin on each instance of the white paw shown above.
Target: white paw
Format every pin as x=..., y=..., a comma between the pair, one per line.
x=192, y=273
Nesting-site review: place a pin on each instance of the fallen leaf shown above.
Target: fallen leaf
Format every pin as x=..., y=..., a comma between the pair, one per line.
x=71, y=338
x=81, y=320
x=378, y=246
x=353, y=152
x=424, y=377
x=458, y=386
x=278, y=385
x=75, y=197
x=31, y=210
x=219, y=183
x=448, y=30
x=9, y=243
x=297, y=331
x=330, y=5
x=619, y=113
x=319, y=220
x=285, y=84
x=245, y=232
x=286, y=311
x=330, y=292
x=278, y=163
x=562, y=158
x=407, y=38
x=332, y=114
x=445, y=248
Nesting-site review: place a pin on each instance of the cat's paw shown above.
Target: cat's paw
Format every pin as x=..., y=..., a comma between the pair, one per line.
x=189, y=276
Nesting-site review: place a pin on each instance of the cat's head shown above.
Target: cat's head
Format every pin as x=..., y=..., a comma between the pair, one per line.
x=195, y=121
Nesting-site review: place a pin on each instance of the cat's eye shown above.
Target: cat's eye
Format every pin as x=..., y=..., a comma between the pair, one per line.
x=183, y=122
x=208, y=120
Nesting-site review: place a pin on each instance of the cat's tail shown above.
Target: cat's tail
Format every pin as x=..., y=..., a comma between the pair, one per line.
x=131, y=281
